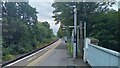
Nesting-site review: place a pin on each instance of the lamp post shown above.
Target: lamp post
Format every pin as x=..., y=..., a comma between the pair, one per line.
x=75, y=33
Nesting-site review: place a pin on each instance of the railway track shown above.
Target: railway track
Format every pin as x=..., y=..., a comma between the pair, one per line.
x=29, y=57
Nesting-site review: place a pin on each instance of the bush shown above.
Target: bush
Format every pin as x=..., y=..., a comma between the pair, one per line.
x=70, y=49
x=8, y=57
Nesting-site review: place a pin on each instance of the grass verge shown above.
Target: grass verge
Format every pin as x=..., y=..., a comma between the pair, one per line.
x=70, y=49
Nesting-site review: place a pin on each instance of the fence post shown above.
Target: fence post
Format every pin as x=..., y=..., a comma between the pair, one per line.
x=87, y=41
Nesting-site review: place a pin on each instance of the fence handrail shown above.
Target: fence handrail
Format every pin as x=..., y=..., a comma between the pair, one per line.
x=115, y=53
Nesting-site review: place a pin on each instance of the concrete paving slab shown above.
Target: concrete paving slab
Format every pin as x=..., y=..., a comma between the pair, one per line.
x=59, y=57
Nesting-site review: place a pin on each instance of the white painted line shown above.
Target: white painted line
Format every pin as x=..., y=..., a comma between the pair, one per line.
x=31, y=58
x=45, y=55
x=29, y=55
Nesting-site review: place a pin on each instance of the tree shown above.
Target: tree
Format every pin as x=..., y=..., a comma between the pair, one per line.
x=106, y=24
x=86, y=11
x=100, y=19
x=60, y=33
x=21, y=30
x=46, y=24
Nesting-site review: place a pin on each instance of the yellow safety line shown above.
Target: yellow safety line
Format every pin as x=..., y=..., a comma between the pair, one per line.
x=44, y=56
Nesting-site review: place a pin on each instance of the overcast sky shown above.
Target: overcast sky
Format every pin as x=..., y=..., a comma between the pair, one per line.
x=45, y=12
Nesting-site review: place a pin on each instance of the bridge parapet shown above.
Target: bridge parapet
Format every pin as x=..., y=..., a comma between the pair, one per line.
x=99, y=56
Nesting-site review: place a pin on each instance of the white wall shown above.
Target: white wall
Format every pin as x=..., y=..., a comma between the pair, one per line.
x=99, y=56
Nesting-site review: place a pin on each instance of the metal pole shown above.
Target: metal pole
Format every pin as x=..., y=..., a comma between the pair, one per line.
x=81, y=40
x=84, y=38
x=78, y=50
x=84, y=30
x=75, y=39
x=84, y=52
x=75, y=18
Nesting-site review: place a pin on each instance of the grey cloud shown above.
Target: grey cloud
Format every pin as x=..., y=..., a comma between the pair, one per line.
x=45, y=13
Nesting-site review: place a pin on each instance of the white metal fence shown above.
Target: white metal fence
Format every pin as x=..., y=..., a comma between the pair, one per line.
x=99, y=56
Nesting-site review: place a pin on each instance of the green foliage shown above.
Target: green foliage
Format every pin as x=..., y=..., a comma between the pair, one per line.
x=118, y=28
x=104, y=29
x=70, y=48
x=102, y=22
x=60, y=33
x=8, y=57
x=21, y=30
